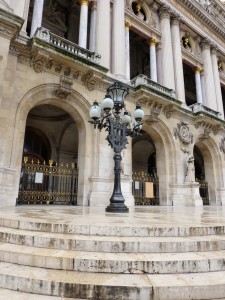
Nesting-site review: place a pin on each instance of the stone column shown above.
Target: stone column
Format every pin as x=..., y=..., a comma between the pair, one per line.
x=92, y=42
x=37, y=16
x=153, y=66
x=159, y=62
x=198, y=85
x=177, y=57
x=83, y=23
x=210, y=94
x=118, y=40
x=127, y=49
x=217, y=81
x=103, y=34
x=203, y=86
x=167, y=54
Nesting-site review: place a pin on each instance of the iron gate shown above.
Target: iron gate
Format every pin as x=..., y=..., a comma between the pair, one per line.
x=47, y=184
x=145, y=188
x=203, y=191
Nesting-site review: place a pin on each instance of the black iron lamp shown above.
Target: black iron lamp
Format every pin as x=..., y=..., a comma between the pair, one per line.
x=112, y=115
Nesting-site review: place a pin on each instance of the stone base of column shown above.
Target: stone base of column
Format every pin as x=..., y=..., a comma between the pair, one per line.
x=186, y=195
x=220, y=197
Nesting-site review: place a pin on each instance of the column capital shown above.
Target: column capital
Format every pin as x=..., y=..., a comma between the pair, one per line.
x=84, y=2
x=197, y=70
x=127, y=25
x=205, y=44
x=164, y=11
x=152, y=42
x=93, y=5
x=175, y=18
x=214, y=49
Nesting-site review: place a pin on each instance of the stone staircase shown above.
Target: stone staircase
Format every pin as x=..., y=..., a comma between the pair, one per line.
x=53, y=260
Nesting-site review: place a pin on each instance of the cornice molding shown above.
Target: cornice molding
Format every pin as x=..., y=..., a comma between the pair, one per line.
x=197, y=10
x=10, y=24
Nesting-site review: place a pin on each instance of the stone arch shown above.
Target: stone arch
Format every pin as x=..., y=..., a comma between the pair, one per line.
x=212, y=163
x=76, y=106
x=165, y=159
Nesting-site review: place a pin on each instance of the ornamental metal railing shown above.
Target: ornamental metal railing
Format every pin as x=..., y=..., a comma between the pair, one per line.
x=203, y=191
x=65, y=45
x=47, y=184
x=145, y=188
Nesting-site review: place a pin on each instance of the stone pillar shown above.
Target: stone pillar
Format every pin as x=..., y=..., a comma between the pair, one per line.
x=92, y=42
x=118, y=40
x=167, y=54
x=217, y=81
x=127, y=49
x=198, y=85
x=153, y=65
x=21, y=8
x=103, y=34
x=177, y=58
x=83, y=23
x=210, y=94
x=37, y=16
x=159, y=62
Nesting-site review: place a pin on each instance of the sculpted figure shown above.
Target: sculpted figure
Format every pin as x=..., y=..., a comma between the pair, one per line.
x=190, y=170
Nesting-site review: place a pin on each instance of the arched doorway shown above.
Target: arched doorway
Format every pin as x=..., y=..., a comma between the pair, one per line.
x=145, y=179
x=200, y=175
x=49, y=172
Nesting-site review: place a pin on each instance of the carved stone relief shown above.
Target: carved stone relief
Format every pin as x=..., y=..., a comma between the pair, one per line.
x=222, y=145
x=88, y=80
x=183, y=132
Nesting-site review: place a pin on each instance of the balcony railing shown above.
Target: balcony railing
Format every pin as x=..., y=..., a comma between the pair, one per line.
x=45, y=35
x=199, y=107
x=144, y=80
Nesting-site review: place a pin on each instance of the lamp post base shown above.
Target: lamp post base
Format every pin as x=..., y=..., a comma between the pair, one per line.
x=117, y=208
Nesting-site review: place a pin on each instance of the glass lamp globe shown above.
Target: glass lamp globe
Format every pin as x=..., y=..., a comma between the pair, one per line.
x=107, y=103
x=95, y=111
x=126, y=119
x=138, y=113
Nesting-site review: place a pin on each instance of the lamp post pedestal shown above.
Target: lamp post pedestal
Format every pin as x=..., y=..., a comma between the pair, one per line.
x=117, y=199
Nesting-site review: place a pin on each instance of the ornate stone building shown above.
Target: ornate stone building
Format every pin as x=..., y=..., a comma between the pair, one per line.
x=58, y=56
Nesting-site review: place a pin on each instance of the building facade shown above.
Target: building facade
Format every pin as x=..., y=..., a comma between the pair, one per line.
x=57, y=57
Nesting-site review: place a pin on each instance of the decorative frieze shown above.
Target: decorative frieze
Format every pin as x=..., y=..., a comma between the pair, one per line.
x=183, y=132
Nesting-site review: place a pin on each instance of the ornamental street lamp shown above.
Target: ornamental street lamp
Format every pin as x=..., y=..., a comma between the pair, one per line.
x=112, y=115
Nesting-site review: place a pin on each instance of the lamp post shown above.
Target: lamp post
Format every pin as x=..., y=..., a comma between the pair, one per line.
x=112, y=115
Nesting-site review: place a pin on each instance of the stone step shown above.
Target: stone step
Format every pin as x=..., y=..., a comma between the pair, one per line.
x=6, y=294
x=71, y=284
x=133, y=263
x=114, y=244
x=112, y=229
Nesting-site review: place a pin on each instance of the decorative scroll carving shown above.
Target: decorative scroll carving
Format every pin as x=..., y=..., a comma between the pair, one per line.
x=65, y=86
x=207, y=128
x=88, y=81
x=76, y=74
x=205, y=43
x=39, y=60
x=168, y=111
x=183, y=133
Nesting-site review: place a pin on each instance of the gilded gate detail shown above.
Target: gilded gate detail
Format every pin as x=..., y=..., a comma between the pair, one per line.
x=47, y=184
